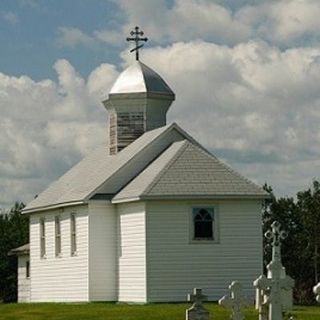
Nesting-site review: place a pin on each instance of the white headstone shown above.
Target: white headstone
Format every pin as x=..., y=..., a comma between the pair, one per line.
x=272, y=289
x=235, y=301
x=197, y=311
x=316, y=290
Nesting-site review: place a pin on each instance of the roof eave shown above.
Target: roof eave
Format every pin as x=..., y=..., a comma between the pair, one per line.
x=194, y=197
x=52, y=206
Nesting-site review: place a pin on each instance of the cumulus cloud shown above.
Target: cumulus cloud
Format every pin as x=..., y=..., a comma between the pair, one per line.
x=286, y=22
x=72, y=37
x=238, y=71
x=252, y=104
x=48, y=126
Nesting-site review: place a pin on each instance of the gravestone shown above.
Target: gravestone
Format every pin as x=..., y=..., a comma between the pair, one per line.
x=270, y=291
x=316, y=290
x=234, y=301
x=197, y=311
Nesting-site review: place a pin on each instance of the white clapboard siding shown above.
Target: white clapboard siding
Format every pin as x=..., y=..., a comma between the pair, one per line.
x=102, y=251
x=131, y=252
x=176, y=264
x=23, y=281
x=63, y=278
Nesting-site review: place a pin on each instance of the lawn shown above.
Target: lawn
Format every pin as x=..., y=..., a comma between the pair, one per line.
x=106, y=311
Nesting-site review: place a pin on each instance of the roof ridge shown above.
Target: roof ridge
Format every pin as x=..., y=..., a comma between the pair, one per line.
x=182, y=148
x=228, y=168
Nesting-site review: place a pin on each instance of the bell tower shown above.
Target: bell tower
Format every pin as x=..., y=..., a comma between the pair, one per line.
x=137, y=102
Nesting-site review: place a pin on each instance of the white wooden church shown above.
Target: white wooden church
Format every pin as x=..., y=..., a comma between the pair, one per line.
x=147, y=217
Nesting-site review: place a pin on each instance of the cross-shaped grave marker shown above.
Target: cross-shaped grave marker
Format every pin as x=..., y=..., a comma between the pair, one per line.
x=275, y=284
x=197, y=311
x=316, y=290
x=235, y=301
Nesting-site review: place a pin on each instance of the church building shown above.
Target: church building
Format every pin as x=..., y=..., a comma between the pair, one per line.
x=146, y=217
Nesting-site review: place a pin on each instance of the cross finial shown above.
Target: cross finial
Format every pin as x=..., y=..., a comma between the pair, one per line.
x=136, y=33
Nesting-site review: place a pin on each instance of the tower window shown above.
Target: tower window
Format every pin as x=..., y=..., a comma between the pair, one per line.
x=203, y=223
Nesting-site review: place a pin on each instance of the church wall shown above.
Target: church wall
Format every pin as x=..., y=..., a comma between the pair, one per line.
x=63, y=278
x=176, y=263
x=23, y=280
x=102, y=251
x=131, y=252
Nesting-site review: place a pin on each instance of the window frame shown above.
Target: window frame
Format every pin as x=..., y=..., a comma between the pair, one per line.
x=215, y=225
x=57, y=236
x=42, y=227
x=73, y=234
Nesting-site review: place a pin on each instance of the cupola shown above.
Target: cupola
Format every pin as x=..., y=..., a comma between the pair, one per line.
x=137, y=102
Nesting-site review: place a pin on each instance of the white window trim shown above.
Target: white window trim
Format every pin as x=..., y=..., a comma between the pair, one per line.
x=216, y=224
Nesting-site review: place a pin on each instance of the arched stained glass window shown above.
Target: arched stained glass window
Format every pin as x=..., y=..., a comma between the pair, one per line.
x=203, y=220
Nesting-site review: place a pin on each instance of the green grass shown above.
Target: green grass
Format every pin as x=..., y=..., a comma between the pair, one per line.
x=109, y=311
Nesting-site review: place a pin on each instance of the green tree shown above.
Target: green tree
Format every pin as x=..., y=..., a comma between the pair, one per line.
x=309, y=207
x=14, y=231
x=296, y=253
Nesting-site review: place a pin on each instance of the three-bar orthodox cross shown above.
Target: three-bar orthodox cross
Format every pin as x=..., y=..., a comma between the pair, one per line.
x=136, y=35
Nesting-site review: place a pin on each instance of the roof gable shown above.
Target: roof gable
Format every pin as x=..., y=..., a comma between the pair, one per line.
x=186, y=171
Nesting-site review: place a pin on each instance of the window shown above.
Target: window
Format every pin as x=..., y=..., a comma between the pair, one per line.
x=42, y=238
x=27, y=269
x=203, y=223
x=57, y=235
x=73, y=234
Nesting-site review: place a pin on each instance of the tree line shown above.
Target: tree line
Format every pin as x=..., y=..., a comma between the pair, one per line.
x=14, y=232
x=299, y=216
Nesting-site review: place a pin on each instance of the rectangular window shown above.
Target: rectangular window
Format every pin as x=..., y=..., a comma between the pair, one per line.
x=42, y=238
x=27, y=269
x=203, y=223
x=57, y=236
x=73, y=234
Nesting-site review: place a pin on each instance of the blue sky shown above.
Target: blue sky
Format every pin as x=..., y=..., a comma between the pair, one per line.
x=246, y=72
x=29, y=30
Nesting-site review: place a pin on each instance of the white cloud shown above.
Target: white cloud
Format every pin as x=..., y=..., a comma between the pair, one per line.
x=253, y=104
x=72, y=37
x=46, y=127
x=286, y=22
x=185, y=20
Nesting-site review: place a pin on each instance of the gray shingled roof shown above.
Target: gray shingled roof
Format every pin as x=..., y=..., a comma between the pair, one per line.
x=77, y=184
x=81, y=182
x=185, y=170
